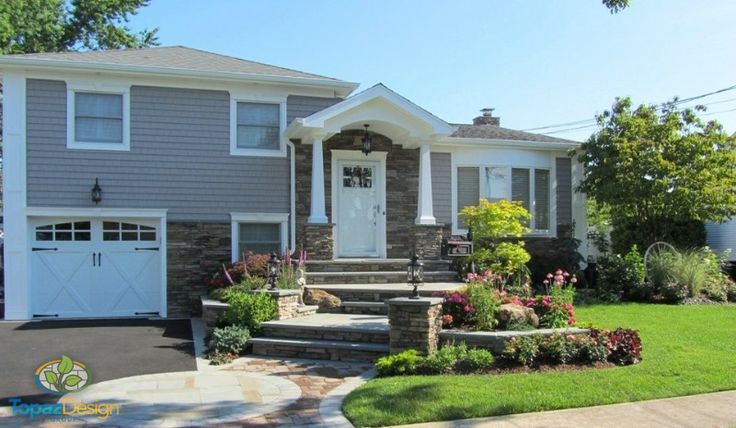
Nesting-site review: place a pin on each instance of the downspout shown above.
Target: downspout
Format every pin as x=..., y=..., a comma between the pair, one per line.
x=292, y=195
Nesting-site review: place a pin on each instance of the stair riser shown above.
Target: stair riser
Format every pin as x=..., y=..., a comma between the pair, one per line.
x=303, y=333
x=296, y=351
x=375, y=267
x=357, y=295
x=365, y=311
x=376, y=278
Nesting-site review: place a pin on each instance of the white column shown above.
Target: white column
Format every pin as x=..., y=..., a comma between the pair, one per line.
x=425, y=214
x=317, y=211
x=17, y=286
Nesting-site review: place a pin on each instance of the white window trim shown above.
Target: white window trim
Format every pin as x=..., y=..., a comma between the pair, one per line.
x=237, y=218
x=236, y=98
x=483, y=190
x=72, y=87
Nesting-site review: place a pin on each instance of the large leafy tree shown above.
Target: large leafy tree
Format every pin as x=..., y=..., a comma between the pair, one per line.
x=657, y=166
x=30, y=26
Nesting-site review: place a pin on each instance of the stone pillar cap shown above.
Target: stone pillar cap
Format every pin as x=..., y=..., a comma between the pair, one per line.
x=422, y=301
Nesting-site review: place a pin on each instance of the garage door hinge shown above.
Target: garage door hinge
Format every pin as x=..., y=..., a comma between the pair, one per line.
x=147, y=313
x=44, y=249
x=146, y=248
x=45, y=315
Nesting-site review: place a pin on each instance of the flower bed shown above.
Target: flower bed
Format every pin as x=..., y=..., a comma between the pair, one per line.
x=574, y=349
x=485, y=304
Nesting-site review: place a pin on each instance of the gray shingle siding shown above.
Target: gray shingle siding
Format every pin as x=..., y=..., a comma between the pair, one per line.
x=301, y=106
x=441, y=187
x=564, y=191
x=179, y=158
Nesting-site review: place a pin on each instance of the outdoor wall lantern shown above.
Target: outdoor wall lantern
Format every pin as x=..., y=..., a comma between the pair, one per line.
x=273, y=270
x=366, y=140
x=96, y=192
x=415, y=275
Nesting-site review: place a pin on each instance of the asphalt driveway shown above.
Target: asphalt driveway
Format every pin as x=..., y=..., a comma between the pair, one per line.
x=111, y=349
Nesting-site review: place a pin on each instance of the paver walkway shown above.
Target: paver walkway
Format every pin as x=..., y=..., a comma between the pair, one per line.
x=714, y=410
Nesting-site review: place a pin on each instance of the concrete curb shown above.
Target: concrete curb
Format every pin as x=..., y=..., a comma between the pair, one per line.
x=330, y=409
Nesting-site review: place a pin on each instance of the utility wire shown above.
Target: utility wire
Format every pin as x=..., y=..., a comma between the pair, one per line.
x=582, y=121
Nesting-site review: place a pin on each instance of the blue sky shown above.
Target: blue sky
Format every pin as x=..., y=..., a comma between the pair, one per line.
x=538, y=62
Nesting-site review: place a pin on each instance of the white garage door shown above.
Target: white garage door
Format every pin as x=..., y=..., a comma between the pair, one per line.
x=95, y=268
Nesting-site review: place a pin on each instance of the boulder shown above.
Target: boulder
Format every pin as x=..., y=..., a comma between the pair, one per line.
x=511, y=313
x=321, y=298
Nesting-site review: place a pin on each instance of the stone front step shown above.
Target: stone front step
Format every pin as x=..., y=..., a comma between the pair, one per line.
x=383, y=292
x=372, y=265
x=378, y=277
x=348, y=328
x=367, y=308
x=318, y=349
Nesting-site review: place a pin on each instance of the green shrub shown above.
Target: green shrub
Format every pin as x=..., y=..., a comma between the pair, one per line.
x=590, y=351
x=558, y=350
x=620, y=276
x=475, y=360
x=731, y=291
x=444, y=359
x=230, y=339
x=523, y=350
x=249, y=309
x=403, y=363
x=485, y=303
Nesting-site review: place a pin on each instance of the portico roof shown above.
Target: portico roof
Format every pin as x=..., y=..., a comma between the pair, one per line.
x=387, y=113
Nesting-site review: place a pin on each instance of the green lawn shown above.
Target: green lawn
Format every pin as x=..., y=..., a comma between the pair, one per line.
x=686, y=350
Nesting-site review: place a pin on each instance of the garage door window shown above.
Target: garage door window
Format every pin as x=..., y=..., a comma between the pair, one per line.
x=119, y=231
x=72, y=231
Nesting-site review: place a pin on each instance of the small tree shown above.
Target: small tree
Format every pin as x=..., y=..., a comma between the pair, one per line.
x=657, y=166
x=493, y=224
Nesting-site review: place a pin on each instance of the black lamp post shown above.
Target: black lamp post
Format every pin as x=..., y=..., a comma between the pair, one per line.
x=366, y=140
x=415, y=275
x=96, y=192
x=273, y=270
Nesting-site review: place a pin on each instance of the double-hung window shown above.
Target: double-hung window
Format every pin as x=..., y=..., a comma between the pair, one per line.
x=256, y=128
x=530, y=186
x=260, y=233
x=98, y=119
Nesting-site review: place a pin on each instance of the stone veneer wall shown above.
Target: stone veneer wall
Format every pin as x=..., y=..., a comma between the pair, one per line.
x=402, y=181
x=414, y=324
x=195, y=252
x=317, y=240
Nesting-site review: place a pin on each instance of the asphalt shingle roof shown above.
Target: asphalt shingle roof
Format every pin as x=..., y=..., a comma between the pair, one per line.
x=494, y=132
x=174, y=57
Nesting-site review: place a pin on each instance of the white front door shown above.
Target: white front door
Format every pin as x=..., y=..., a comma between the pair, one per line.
x=95, y=267
x=360, y=214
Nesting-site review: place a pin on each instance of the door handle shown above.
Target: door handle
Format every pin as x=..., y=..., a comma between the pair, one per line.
x=99, y=259
x=94, y=261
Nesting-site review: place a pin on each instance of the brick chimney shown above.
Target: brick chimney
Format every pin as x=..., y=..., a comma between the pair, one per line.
x=487, y=118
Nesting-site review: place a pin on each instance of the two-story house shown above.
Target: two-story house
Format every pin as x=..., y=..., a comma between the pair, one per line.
x=130, y=175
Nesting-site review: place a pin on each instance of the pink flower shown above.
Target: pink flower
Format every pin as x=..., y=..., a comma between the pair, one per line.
x=546, y=282
x=549, y=275
x=573, y=279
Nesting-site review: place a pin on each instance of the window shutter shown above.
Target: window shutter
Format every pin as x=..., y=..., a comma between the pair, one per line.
x=541, y=199
x=563, y=193
x=468, y=189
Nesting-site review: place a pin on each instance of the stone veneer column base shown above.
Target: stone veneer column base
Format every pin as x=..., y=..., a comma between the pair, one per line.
x=318, y=241
x=414, y=324
x=428, y=240
x=195, y=251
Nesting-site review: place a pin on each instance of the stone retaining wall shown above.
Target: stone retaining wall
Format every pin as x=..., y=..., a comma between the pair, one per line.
x=414, y=324
x=495, y=341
